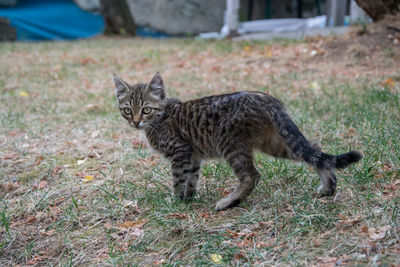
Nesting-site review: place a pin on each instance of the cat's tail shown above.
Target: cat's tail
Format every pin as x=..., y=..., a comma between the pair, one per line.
x=300, y=147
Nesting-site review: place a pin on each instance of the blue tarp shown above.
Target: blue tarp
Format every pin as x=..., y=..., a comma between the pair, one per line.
x=52, y=20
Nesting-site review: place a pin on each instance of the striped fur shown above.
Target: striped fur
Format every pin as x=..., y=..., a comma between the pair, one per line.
x=230, y=126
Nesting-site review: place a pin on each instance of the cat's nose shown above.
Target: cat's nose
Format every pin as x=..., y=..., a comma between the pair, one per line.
x=136, y=123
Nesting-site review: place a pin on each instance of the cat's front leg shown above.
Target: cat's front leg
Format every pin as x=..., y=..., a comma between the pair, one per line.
x=193, y=178
x=181, y=168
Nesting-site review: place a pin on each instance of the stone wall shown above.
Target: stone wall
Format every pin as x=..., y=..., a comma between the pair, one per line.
x=179, y=17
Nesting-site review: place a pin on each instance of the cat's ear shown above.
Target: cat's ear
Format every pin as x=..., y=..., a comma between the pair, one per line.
x=121, y=87
x=156, y=87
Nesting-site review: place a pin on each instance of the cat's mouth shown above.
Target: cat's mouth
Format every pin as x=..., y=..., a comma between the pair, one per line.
x=137, y=125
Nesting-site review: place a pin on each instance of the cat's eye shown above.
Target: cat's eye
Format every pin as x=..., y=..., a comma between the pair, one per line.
x=146, y=110
x=127, y=111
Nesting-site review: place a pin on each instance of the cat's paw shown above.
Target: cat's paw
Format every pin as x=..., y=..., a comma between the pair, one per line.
x=179, y=192
x=325, y=191
x=189, y=194
x=226, y=203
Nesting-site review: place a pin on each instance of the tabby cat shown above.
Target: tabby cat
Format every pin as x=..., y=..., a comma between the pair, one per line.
x=231, y=126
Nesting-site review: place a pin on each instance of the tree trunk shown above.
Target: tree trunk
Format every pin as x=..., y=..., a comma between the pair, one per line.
x=117, y=17
x=377, y=9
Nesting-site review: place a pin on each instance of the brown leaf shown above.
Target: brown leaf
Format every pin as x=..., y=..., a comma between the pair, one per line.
x=327, y=262
x=103, y=253
x=216, y=69
x=87, y=60
x=389, y=82
x=30, y=219
x=48, y=233
x=36, y=259
x=55, y=171
x=54, y=211
x=179, y=216
x=42, y=184
x=347, y=221
x=376, y=234
x=205, y=214
x=364, y=229
x=137, y=143
x=38, y=161
x=239, y=256
x=58, y=201
x=131, y=224
x=92, y=108
x=6, y=157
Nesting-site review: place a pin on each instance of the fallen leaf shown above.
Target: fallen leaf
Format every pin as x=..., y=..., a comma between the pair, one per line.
x=347, y=221
x=137, y=143
x=179, y=216
x=87, y=60
x=36, y=259
x=389, y=82
x=205, y=214
x=55, y=171
x=48, y=233
x=216, y=69
x=42, y=184
x=80, y=174
x=327, y=262
x=131, y=224
x=30, y=219
x=54, y=211
x=239, y=256
x=216, y=258
x=88, y=178
x=103, y=253
x=92, y=107
x=364, y=229
x=247, y=48
x=7, y=157
x=376, y=234
x=24, y=94
x=38, y=161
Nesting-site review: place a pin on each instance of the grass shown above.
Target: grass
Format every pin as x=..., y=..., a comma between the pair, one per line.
x=59, y=125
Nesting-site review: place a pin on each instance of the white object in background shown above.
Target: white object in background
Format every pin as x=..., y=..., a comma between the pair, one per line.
x=282, y=25
x=232, y=15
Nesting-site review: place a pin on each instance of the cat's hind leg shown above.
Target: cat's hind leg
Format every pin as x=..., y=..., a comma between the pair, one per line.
x=328, y=182
x=241, y=161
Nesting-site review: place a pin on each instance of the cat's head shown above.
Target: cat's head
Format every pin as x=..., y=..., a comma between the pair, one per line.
x=141, y=104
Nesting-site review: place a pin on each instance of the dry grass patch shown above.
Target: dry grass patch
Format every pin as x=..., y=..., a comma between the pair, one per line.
x=78, y=187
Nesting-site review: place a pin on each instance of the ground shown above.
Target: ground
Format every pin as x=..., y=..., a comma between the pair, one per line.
x=79, y=187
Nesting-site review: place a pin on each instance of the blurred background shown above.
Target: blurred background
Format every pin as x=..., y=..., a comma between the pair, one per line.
x=30, y=20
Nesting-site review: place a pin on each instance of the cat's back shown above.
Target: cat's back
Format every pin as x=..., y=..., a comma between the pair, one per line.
x=205, y=120
x=238, y=103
